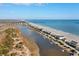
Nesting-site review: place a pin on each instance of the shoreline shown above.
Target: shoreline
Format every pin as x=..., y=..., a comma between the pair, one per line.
x=68, y=36
x=30, y=43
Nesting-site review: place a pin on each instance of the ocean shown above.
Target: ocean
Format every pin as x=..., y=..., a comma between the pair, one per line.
x=70, y=26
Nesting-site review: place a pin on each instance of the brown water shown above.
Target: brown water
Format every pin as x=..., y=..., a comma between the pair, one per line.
x=46, y=49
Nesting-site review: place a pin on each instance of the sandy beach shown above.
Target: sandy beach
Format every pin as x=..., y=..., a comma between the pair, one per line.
x=68, y=36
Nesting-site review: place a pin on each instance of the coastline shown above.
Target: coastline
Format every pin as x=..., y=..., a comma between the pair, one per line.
x=68, y=36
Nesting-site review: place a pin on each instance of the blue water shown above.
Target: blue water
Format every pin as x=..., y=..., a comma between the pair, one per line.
x=71, y=26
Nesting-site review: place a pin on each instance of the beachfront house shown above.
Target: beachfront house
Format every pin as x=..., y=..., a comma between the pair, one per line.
x=72, y=43
x=77, y=48
x=46, y=32
x=60, y=37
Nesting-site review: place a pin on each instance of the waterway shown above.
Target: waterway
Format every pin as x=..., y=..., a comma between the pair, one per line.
x=45, y=47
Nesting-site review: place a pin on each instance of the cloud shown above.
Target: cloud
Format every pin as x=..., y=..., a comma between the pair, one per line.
x=40, y=4
x=5, y=4
x=24, y=4
x=1, y=4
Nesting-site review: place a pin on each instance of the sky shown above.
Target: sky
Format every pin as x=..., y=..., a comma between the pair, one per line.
x=39, y=11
